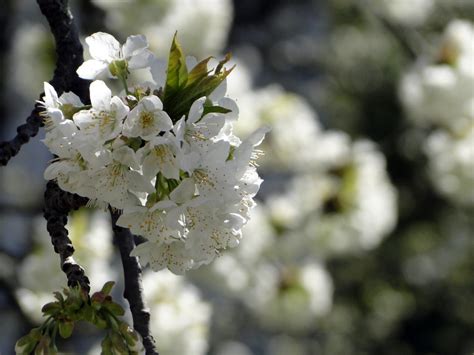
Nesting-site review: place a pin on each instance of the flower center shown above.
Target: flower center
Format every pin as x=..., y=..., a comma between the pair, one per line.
x=146, y=119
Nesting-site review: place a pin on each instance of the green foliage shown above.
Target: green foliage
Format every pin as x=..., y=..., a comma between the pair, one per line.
x=74, y=305
x=183, y=87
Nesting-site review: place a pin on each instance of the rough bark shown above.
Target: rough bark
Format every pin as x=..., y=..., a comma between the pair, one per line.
x=133, y=291
x=58, y=204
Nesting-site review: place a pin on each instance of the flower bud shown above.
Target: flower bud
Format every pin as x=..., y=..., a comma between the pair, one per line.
x=119, y=68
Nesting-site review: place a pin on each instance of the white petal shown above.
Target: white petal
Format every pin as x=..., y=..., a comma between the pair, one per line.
x=91, y=69
x=163, y=205
x=219, y=91
x=141, y=60
x=152, y=103
x=230, y=105
x=134, y=44
x=103, y=46
x=126, y=156
x=50, y=96
x=83, y=119
x=70, y=98
x=184, y=192
x=164, y=121
x=158, y=72
x=139, y=183
x=119, y=107
x=196, y=110
x=100, y=96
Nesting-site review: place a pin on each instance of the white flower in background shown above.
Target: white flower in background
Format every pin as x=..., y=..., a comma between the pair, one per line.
x=203, y=25
x=284, y=344
x=440, y=93
x=405, y=12
x=147, y=119
x=291, y=297
x=38, y=273
x=347, y=205
x=233, y=348
x=365, y=203
x=108, y=55
x=31, y=60
x=451, y=164
x=295, y=127
x=181, y=319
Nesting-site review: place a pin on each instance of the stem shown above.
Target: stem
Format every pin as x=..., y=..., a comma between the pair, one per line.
x=124, y=83
x=133, y=291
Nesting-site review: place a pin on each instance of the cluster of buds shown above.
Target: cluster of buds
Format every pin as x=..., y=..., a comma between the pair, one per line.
x=74, y=305
x=162, y=152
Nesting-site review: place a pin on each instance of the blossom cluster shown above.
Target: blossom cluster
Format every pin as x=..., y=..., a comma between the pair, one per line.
x=326, y=196
x=162, y=151
x=438, y=94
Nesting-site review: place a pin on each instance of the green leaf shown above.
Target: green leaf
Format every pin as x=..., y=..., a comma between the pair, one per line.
x=214, y=109
x=183, y=88
x=65, y=328
x=199, y=71
x=177, y=74
x=114, y=308
x=58, y=296
x=118, y=343
x=88, y=313
x=107, y=287
x=51, y=308
x=106, y=346
x=100, y=321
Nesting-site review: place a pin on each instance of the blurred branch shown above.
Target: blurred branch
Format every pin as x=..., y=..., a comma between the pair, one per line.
x=398, y=33
x=133, y=291
x=91, y=17
x=58, y=204
x=6, y=35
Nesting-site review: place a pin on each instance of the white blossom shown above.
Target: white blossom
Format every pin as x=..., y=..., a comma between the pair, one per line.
x=147, y=119
x=104, y=120
x=451, y=164
x=440, y=92
x=186, y=186
x=105, y=50
x=181, y=318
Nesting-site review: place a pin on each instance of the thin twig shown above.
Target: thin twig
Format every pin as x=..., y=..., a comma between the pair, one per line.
x=133, y=291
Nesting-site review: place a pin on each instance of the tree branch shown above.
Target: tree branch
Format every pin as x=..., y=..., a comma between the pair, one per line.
x=58, y=204
x=69, y=49
x=69, y=58
x=133, y=284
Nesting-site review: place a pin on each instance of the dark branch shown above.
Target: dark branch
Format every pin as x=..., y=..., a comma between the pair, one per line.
x=69, y=57
x=69, y=49
x=58, y=204
x=133, y=292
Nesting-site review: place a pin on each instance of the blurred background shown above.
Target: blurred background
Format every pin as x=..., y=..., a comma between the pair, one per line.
x=363, y=239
